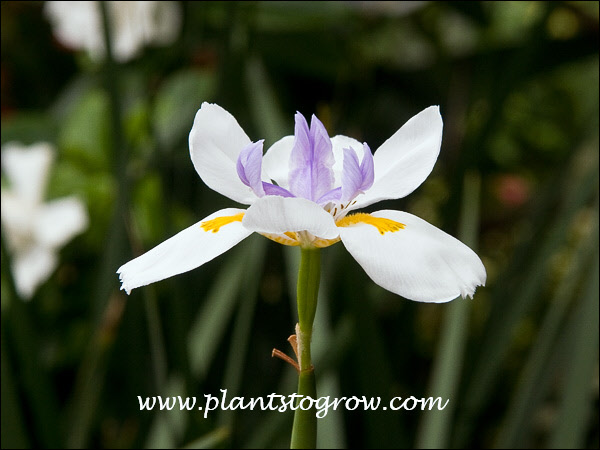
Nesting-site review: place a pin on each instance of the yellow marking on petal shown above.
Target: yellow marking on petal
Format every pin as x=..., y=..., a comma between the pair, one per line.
x=215, y=224
x=321, y=243
x=381, y=223
x=288, y=238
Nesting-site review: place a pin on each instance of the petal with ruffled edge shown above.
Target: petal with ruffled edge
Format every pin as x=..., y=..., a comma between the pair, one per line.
x=406, y=159
x=58, y=221
x=186, y=250
x=276, y=215
x=419, y=262
x=216, y=141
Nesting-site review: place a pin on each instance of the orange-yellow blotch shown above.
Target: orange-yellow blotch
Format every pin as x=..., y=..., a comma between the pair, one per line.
x=288, y=238
x=215, y=224
x=322, y=243
x=381, y=223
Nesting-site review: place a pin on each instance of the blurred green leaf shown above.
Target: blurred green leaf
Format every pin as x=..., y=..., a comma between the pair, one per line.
x=263, y=102
x=177, y=101
x=13, y=426
x=28, y=128
x=529, y=391
x=148, y=209
x=213, y=439
x=84, y=135
x=242, y=329
x=578, y=398
x=209, y=326
x=435, y=427
x=169, y=425
x=512, y=305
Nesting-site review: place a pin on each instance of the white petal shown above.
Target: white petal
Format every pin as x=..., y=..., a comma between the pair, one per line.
x=339, y=143
x=167, y=22
x=17, y=216
x=419, y=262
x=77, y=25
x=406, y=159
x=216, y=141
x=273, y=214
x=31, y=268
x=27, y=168
x=183, y=252
x=276, y=162
x=58, y=221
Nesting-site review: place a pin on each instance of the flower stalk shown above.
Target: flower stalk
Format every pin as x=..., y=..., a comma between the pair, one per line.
x=304, y=431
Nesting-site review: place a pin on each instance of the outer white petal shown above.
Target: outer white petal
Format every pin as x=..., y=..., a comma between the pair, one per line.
x=419, y=262
x=58, y=221
x=28, y=168
x=273, y=214
x=216, y=141
x=276, y=162
x=183, y=252
x=31, y=268
x=406, y=159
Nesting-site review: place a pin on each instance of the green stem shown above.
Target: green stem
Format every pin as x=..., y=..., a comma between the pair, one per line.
x=304, y=431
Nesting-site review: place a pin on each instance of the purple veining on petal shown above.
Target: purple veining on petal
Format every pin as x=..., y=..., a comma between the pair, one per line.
x=367, y=168
x=333, y=195
x=351, y=175
x=249, y=167
x=272, y=189
x=311, y=160
x=356, y=179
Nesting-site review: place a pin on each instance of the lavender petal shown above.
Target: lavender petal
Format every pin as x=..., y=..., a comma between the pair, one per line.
x=272, y=189
x=367, y=169
x=249, y=167
x=333, y=195
x=351, y=175
x=356, y=179
x=311, y=160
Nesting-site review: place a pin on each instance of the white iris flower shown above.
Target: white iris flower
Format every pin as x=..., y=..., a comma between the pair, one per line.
x=301, y=193
x=35, y=230
x=78, y=25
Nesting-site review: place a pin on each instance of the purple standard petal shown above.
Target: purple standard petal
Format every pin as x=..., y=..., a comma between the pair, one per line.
x=311, y=160
x=367, y=168
x=351, y=175
x=356, y=179
x=272, y=189
x=249, y=167
x=333, y=195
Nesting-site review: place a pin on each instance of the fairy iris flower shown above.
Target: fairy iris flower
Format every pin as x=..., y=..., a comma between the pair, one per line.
x=301, y=193
x=35, y=229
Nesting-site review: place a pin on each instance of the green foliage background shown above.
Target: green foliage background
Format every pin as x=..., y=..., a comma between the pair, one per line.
x=517, y=179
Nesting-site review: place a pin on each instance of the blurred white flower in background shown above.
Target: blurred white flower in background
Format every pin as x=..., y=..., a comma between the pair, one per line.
x=78, y=25
x=35, y=230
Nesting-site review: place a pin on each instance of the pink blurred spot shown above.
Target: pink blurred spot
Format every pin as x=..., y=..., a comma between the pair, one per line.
x=512, y=190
